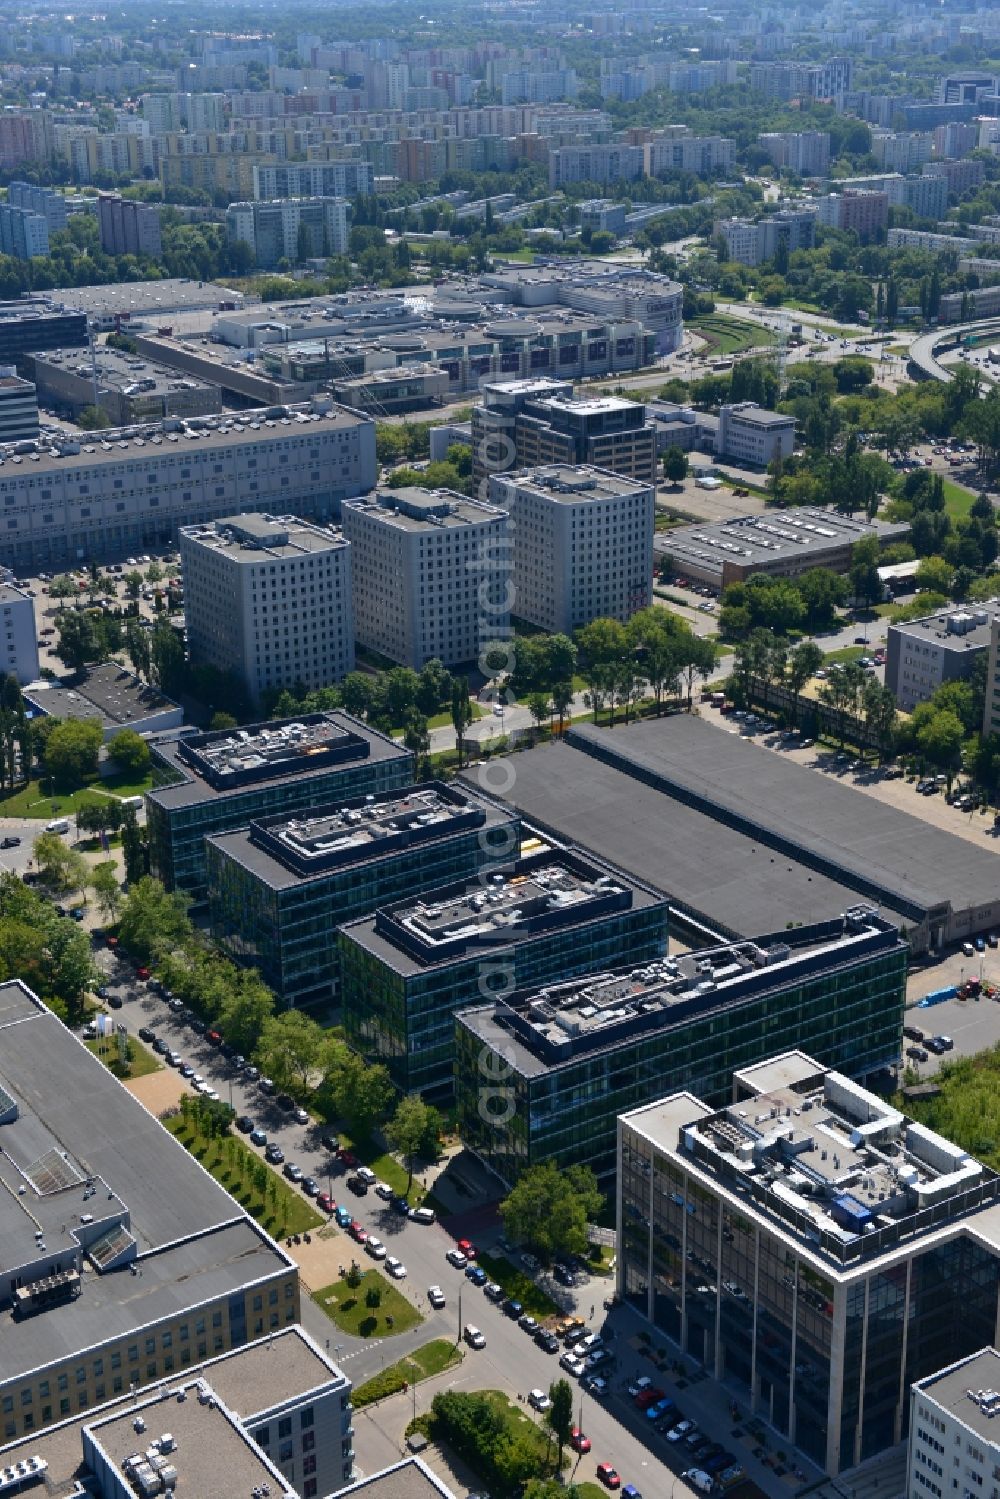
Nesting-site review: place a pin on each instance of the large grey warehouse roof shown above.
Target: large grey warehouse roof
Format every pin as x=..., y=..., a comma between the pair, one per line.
x=172, y=294
x=802, y=535
x=728, y=878
x=89, y=1149
x=857, y=837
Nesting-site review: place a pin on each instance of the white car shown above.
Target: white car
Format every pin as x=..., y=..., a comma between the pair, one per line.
x=365, y=1174
x=375, y=1248
x=199, y=1085
x=539, y=1400
x=395, y=1267
x=702, y=1481
x=435, y=1296
x=572, y=1364
x=457, y=1258
x=473, y=1336
x=213, y=1094
x=383, y=1190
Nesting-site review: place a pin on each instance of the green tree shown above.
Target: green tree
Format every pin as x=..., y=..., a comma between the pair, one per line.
x=461, y=714
x=562, y=700
x=550, y=1207
x=107, y=891
x=291, y=1050
x=935, y=574
x=940, y=739
x=538, y=707
x=560, y=1414
x=407, y=1131
x=864, y=569
x=675, y=465
x=72, y=750
x=804, y=662
x=246, y=1008
x=416, y=735
x=153, y=920
x=78, y=641
x=360, y=1094
x=133, y=846
x=823, y=592
x=130, y=752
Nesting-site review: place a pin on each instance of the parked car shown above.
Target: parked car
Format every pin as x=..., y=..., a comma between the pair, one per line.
x=457, y=1258
x=547, y=1341
x=539, y=1400
x=436, y=1297
x=325, y=1202
x=245, y=1124
x=146, y=1033
x=258, y=1137
x=310, y=1186
x=608, y=1476
x=578, y=1440
x=274, y=1154
x=473, y=1336
x=292, y=1172
x=395, y=1267
x=572, y=1364
x=375, y=1248
x=492, y=1291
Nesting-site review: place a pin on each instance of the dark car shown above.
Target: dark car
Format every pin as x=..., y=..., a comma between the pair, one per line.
x=11, y=842
x=146, y=1034
x=310, y=1186
x=330, y=1142
x=198, y=1026
x=284, y=1102
x=114, y=1001
x=547, y=1341
x=401, y=1205
x=258, y=1137
x=357, y=1186
x=245, y=1124
x=275, y=1154
x=564, y=1276
x=513, y=1309
x=160, y=1046
x=476, y=1274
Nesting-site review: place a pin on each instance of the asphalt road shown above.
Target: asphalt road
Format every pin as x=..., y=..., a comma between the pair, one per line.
x=511, y=1360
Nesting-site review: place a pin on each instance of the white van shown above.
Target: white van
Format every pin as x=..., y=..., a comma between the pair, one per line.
x=58, y=825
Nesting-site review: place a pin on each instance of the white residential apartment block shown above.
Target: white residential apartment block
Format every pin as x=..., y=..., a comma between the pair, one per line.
x=431, y=572
x=293, y=229
x=269, y=598
x=804, y=151
x=612, y=162
x=954, y=1444
x=583, y=544
x=689, y=153
x=538, y=85
x=18, y=637
x=23, y=233
x=902, y=150
x=111, y=497
x=749, y=434
x=313, y=179
x=751, y=242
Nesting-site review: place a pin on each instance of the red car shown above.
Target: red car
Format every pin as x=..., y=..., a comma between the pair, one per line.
x=357, y=1232
x=608, y=1476
x=142, y=973
x=347, y=1157
x=648, y=1397
x=325, y=1202
x=112, y=942
x=468, y=1248
x=578, y=1441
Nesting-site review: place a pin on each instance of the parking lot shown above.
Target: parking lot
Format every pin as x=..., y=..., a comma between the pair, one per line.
x=511, y=1358
x=872, y=780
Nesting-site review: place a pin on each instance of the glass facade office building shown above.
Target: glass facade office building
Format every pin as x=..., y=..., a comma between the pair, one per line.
x=214, y=783
x=818, y=1313
x=271, y=906
x=567, y=1061
x=407, y=970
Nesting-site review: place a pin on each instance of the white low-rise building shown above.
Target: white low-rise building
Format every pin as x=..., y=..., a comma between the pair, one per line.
x=269, y=598
x=431, y=572
x=750, y=434
x=583, y=544
x=954, y=1445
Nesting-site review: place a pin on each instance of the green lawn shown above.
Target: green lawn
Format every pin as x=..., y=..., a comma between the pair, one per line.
x=432, y=1358
x=349, y=1308
x=278, y=1207
x=141, y=1061
x=518, y=1285
x=847, y=653
x=728, y=335
x=443, y=719
x=32, y=801
x=958, y=500
x=967, y=1110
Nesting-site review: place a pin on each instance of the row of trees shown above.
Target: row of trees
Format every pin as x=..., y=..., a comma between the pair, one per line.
x=310, y=1063
x=48, y=951
x=656, y=652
